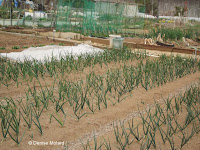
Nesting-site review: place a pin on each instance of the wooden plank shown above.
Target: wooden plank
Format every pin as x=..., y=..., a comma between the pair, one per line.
x=186, y=51
x=161, y=48
x=98, y=40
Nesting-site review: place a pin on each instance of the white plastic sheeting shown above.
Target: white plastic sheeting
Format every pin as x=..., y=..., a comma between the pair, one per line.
x=47, y=52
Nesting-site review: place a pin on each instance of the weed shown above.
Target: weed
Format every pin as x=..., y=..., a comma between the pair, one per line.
x=2, y=48
x=15, y=47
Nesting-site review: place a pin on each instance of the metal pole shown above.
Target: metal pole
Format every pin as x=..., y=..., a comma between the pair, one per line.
x=186, y=9
x=152, y=7
x=11, y=12
x=158, y=13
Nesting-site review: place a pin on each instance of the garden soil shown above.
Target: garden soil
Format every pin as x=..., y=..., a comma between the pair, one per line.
x=101, y=121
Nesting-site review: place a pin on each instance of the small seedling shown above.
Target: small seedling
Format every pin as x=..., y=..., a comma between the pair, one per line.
x=61, y=44
x=24, y=46
x=40, y=45
x=15, y=47
x=2, y=48
x=31, y=136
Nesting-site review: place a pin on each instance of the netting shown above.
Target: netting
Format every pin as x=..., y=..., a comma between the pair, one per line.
x=100, y=18
x=27, y=13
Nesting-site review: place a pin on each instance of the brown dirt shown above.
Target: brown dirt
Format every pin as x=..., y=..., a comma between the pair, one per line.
x=107, y=132
x=8, y=41
x=17, y=29
x=73, y=130
x=101, y=121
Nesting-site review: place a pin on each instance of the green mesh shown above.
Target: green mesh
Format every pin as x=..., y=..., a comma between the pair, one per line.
x=99, y=18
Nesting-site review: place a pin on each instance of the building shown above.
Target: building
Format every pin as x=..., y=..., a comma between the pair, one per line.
x=126, y=8
x=189, y=8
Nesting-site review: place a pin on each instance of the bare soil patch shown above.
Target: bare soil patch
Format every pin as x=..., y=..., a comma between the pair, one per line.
x=8, y=41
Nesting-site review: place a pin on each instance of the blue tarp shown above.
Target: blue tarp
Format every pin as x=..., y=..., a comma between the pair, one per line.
x=15, y=1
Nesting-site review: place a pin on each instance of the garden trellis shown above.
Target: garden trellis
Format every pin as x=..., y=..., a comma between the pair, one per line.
x=100, y=17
